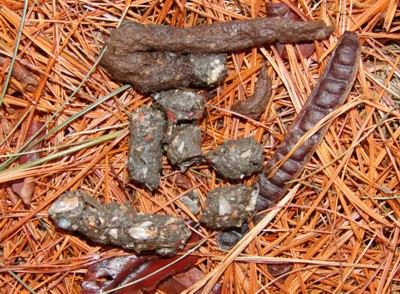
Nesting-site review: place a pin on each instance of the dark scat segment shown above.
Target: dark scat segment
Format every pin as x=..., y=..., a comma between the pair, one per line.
x=284, y=11
x=255, y=106
x=330, y=92
x=237, y=35
x=149, y=72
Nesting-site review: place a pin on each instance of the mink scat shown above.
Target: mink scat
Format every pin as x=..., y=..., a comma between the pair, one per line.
x=236, y=35
x=118, y=224
x=255, y=105
x=150, y=72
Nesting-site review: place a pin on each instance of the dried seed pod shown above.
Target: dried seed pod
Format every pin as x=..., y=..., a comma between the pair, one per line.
x=150, y=72
x=147, y=127
x=236, y=159
x=180, y=105
x=255, y=106
x=229, y=206
x=118, y=224
x=237, y=35
x=183, y=146
x=332, y=89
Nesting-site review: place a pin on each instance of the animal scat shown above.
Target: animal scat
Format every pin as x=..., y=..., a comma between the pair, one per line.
x=284, y=11
x=150, y=72
x=224, y=37
x=332, y=89
x=229, y=206
x=147, y=127
x=119, y=225
x=156, y=58
x=255, y=106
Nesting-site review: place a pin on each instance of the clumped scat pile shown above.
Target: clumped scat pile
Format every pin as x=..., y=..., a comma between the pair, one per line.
x=155, y=59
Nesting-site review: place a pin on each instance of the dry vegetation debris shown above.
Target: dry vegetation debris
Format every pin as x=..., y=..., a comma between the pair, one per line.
x=318, y=227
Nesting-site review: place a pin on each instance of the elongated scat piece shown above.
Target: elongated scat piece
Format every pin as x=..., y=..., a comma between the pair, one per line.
x=255, y=106
x=224, y=37
x=147, y=127
x=119, y=225
x=229, y=206
x=150, y=72
x=330, y=92
x=284, y=11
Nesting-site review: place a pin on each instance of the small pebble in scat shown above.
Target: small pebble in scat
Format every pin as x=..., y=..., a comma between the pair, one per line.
x=236, y=159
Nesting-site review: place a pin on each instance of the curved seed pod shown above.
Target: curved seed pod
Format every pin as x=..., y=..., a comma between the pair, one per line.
x=222, y=37
x=119, y=225
x=332, y=89
x=255, y=106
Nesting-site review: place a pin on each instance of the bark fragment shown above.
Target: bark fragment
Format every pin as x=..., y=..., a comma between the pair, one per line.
x=147, y=127
x=236, y=159
x=279, y=269
x=119, y=225
x=229, y=206
x=255, y=106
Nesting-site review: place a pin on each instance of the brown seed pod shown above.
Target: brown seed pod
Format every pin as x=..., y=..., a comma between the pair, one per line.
x=255, y=106
x=332, y=89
